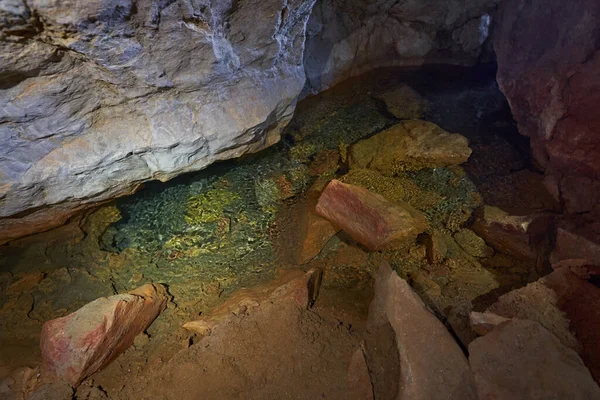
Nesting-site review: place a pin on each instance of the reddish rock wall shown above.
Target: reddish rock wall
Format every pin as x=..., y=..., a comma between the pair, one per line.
x=549, y=69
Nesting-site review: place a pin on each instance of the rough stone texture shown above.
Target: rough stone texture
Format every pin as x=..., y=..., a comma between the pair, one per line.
x=577, y=239
x=473, y=244
x=484, y=323
x=369, y=218
x=302, y=291
x=522, y=360
x=404, y=103
x=99, y=96
x=318, y=232
x=410, y=145
x=76, y=346
x=524, y=237
x=548, y=55
x=349, y=37
x=539, y=303
x=409, y=349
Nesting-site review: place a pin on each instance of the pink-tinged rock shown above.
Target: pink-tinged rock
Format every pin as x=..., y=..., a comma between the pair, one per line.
x=551, y=78
x=411, y=354
x=578, y=240
x=81, y=343
x=369, y=218
x=520, y=359
x=303, y=290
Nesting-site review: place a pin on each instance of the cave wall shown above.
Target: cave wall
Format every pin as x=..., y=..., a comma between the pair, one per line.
x=98, y=96
x=548, y=55
x=349, y=37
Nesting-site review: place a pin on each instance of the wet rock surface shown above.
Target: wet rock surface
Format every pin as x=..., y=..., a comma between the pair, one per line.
x=410, y=145
x=215, y=236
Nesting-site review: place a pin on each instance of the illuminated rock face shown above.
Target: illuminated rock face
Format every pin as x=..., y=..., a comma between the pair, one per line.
x=549, y=69
x=348, y=37
x=99, y=96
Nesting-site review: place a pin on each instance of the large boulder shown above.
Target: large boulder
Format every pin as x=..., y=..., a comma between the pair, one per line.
x=411, y=354
x=548, y=55
x=100, y=96
x=349, y=37
x=81, y=343
x=369, y=218
x=522, y=360
x=410, y=145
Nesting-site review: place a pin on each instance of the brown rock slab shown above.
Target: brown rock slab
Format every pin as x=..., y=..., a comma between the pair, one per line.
x=409, y=351
x=318, y=232
x=409, y=145
x=519, y=236
x=300, y=290
x=369, y=218
x=81, y=343
x=359, y=380
x=484, y=323
x=537, y=302
x=404, y=103
x=520, y=359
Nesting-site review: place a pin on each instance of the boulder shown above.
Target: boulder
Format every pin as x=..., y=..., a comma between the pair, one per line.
x=519, y=236
x=577, y=240
x=551, y=80
x=301, y=291
x=103, y=95
x=369, y=218
x=404, y=103
x=522, y=360
x=81, y=343
x=484, y=323
x=409, y=145
x=537, y=302
x=411, y=354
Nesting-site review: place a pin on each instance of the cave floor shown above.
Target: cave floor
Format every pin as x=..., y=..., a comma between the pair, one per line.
x=236, y=224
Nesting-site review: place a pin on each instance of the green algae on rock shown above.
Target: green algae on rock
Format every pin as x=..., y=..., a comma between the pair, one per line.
x=404, y=103
x=408, y=146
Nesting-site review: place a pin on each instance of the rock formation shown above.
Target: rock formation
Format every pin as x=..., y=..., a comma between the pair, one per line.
x=348, y=37
x=98, y=97
x=549, y=69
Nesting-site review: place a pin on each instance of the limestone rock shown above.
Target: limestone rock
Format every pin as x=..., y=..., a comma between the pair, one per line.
x=76, y=346
x=349, y=37
x=410, y=352
x=368, y=217
x=519, y=236
x=410, y=145
x=404, y=103
x=100, y=96
x=522, y=360
x=552, y=83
